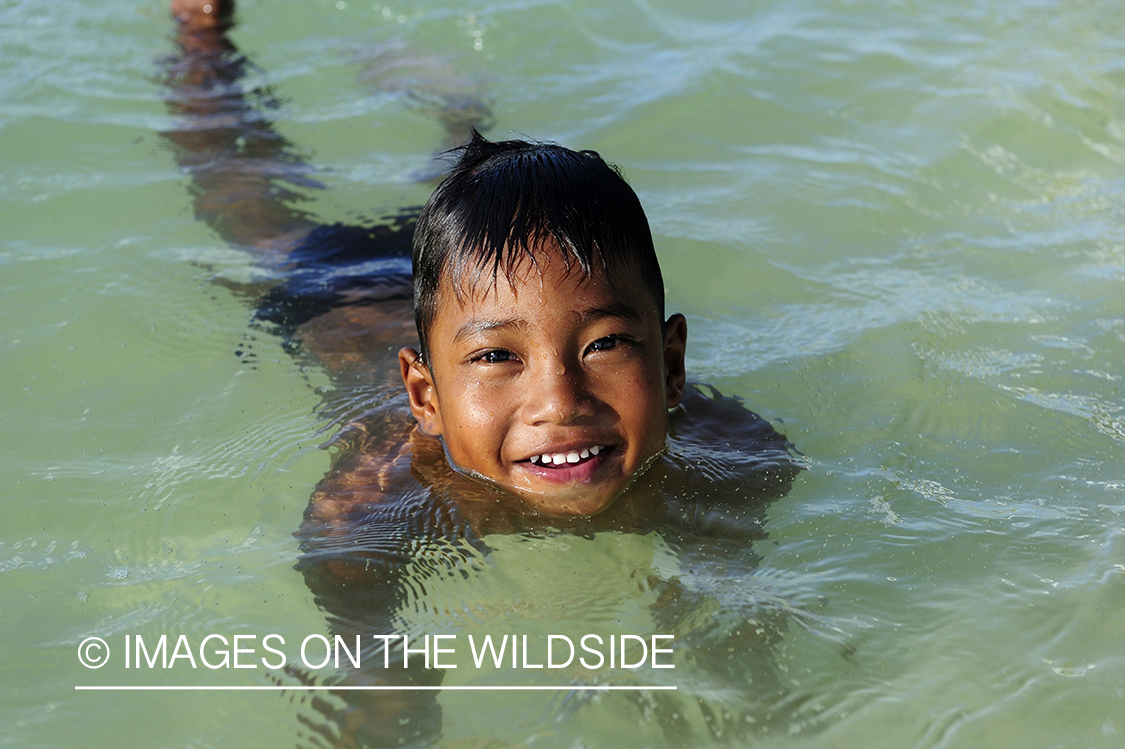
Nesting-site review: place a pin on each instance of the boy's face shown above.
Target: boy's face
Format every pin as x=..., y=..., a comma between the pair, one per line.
x=555, y=387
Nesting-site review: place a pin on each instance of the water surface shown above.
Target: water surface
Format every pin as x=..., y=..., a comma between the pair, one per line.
x=895, y=229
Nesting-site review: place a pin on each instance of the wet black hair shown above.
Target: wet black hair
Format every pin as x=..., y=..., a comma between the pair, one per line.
x=504, y=199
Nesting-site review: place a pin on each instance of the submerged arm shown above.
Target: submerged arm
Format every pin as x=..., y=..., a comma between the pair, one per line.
x=226, y=142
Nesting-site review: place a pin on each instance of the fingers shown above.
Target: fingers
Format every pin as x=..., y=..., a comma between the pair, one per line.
x=202, y=14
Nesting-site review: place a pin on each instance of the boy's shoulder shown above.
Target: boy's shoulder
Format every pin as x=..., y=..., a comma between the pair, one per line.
x=721, y=424
x=725, y=462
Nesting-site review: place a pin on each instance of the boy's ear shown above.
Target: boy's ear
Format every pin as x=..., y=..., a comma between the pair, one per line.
x=675, y=346
x=420, y=389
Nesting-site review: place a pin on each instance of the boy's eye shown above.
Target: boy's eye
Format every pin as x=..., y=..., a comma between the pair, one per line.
x=607, y=343
x=496, y=356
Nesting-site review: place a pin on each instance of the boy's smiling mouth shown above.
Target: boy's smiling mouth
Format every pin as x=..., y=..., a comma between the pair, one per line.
x=576, y=465
x=571, y=457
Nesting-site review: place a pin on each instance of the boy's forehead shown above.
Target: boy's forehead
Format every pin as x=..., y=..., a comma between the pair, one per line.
x=548, y=269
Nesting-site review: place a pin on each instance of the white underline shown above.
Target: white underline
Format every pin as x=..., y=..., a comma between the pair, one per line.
x=350, y=688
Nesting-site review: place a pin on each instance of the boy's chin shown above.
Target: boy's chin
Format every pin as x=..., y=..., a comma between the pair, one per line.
x=567, y=504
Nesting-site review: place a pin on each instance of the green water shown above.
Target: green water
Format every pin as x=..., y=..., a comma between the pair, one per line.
x=894, y=227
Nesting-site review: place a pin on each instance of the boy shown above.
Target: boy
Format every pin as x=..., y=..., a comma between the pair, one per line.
x=547, y=389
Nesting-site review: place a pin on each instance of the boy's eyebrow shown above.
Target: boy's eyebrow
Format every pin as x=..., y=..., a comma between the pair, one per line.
x=618, y=310
x=476, y=327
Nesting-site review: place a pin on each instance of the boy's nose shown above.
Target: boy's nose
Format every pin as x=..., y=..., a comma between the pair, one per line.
x=559, y=396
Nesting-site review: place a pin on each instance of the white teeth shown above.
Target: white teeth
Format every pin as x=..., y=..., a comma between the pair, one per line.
x=560, y=458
